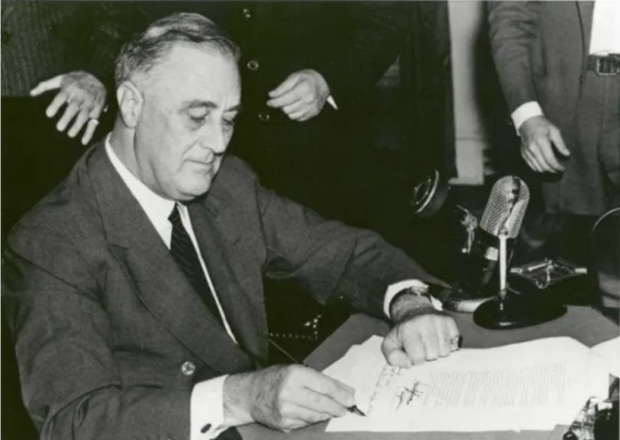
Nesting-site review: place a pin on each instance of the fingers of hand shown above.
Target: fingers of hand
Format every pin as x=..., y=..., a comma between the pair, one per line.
x=46, y=86
x=293, y=416
x=529, y=159
x=416, y=347
x=393, y=352
x=558, y=141
x=423, y=338
x=306, y=396
x=91, y=126
x=301, y=92
x=70, y=111
x=339, y=394
x=78, y=123
x=59, y=100
x=295, y=107
x=286, y=86
x=544, y=155
x=319, y=403
x=303, y=115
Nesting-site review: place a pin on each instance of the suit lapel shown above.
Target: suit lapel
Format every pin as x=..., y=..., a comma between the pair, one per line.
x=238, y=287
x=155, y=277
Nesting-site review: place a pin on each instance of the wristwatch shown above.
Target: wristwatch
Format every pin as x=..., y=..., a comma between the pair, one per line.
x=411, y=291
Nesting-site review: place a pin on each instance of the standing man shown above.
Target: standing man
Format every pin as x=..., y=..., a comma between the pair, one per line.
x=308, y=72
x=56, y=58
x=559, y=66
x=134, y=289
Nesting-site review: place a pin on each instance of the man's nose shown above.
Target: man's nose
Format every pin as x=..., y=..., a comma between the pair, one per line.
x=215, y=140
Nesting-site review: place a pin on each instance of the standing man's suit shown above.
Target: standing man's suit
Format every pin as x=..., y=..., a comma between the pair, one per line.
x=541, y=53
x=351, y=44
x=110, y=334
x=40, y=40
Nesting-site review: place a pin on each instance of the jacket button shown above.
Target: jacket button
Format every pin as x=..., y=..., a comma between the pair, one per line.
x=264, y=116
x=253, y=65
x=188, y=368
x=247, y=13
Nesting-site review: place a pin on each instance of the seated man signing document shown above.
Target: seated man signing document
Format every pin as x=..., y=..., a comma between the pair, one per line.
x=134, y=289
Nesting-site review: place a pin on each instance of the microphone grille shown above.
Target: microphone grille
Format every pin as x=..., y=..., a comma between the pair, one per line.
x=506, y=206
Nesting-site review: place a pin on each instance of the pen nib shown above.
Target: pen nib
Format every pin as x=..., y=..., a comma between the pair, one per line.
x=356, y=410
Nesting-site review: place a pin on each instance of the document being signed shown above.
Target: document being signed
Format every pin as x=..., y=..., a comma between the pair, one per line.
x=528, y=386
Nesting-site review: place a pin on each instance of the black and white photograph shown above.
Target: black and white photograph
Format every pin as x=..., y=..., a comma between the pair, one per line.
x=304, y=219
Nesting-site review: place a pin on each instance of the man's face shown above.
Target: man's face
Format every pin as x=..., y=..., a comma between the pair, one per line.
x=190, y=102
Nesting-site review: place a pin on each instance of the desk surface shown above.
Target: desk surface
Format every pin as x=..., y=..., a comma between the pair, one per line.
x=581, y=323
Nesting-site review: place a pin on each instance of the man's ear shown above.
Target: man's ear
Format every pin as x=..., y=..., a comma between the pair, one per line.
x=130, y=101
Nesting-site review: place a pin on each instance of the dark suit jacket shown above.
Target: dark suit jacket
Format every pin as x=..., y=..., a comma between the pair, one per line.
x=540, y=51
x=350, y=43
x=104, y=319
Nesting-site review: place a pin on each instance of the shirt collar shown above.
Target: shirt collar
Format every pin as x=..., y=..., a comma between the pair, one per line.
x=156, y=207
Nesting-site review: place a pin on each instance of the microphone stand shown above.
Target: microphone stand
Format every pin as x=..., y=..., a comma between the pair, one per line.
x=513, y=311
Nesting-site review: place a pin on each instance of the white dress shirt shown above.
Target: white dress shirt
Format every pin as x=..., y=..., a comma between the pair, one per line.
x=206, y=405
x=604, y=40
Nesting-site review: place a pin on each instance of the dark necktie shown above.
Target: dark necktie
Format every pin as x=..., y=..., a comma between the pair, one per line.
x=184, y=253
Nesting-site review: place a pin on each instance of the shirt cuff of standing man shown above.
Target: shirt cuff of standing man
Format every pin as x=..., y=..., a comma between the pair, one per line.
x=525, y=112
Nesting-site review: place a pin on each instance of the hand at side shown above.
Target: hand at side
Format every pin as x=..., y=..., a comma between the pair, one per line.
x=540, y=143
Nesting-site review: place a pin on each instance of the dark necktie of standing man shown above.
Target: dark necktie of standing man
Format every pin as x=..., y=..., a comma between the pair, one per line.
x=184, y=253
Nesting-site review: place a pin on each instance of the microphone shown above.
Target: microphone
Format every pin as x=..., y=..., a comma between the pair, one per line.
x=502, y=219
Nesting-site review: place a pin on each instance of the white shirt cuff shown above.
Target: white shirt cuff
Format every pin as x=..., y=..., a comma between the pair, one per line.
x=417, y=285
x=332, y=102
x=525, y=112
x=207, y=409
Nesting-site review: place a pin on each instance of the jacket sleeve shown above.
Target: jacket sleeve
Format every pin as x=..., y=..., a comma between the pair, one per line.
x=70, y=384
x=334, y=262
x=513, y=32
x=373, y=34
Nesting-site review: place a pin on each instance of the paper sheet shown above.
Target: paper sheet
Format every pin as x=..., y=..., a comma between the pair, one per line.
x=533, y=385
x=609, y=353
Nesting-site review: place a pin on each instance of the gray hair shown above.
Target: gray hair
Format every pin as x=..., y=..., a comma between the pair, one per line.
x=144, y=50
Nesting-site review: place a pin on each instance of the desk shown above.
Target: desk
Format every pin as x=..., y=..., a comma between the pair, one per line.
x=581, y=323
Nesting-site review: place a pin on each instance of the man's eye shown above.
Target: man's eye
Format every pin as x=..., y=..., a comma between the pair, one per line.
x=198, y=119
x=229, y=122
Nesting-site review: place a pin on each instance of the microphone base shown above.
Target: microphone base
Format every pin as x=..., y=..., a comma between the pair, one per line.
x=516, y=312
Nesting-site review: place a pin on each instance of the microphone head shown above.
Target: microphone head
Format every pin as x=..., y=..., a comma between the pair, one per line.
x=506, y=207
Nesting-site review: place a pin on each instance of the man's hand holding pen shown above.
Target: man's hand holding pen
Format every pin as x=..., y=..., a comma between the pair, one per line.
x=287, y=397
x=284, y=397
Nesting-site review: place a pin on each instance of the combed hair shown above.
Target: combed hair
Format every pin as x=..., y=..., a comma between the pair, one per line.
x=144, y=50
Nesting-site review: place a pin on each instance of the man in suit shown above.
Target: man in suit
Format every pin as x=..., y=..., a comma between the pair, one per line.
x=134, y=289
x=308, y=73
x=559, y=67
